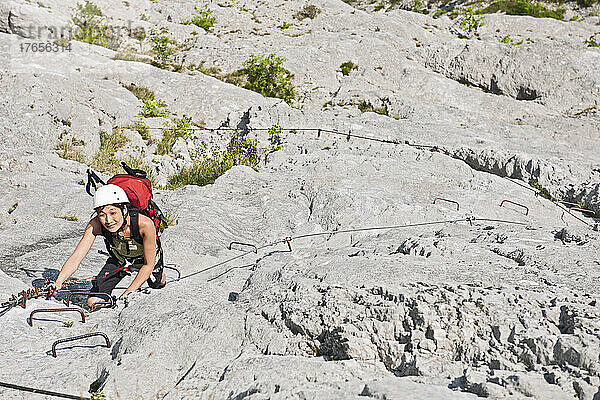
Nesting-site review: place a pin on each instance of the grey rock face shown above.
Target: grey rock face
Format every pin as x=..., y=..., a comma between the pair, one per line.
x=443, y=300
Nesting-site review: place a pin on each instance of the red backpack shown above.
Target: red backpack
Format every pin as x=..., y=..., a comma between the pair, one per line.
x=139, y=192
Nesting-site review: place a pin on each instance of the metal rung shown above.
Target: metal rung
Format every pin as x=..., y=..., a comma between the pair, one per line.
x=244, y=244
x=449, y=201
x=517, y=204
x=48, y=310
x=78, y=338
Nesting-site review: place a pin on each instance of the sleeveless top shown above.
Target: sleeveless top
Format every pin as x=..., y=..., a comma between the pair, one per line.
x=129, y=250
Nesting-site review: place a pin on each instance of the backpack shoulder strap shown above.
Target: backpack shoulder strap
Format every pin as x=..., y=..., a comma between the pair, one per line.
x=134, y=220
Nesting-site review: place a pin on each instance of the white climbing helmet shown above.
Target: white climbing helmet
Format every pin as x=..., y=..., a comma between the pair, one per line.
x=109, y=194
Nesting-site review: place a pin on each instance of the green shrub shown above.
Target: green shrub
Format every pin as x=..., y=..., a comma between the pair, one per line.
x=241, y=150
x=364, y=106
x=347, y=67
x=419, y=7
x=203, y=18
x=202, y=172
x=309, y=11
x=470, y=21
x=267, y=76
x=524, y=7
x=154, y=108
x=585, y=3
x=245, y=149
x=110, y=143
x=591, y=41
x=275, y=142
x=161, y=48
x=143, y=130
x=206, y=169
x=89, y=26
x=140, y=92
x=172, y=132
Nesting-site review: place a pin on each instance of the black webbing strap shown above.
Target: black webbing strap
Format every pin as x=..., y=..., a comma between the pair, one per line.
x=93, y=180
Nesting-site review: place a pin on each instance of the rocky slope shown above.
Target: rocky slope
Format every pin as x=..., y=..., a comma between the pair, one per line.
x=503, y=306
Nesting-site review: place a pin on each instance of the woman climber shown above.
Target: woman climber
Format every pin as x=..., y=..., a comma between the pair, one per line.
x=130, y=239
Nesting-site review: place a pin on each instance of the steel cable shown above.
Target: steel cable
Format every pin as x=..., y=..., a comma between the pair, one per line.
x=290, y=238
x=43, y=391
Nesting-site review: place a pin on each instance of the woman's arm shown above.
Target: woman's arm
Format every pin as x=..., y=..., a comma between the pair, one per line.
x=85, y=244
x=148, y=234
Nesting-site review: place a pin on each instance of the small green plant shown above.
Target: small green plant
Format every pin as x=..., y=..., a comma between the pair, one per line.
x=67, y=217
x=110, y=143
x=68, y=150
x=524, y=7
x=542, y=191
x=144, y=17
x=203, y=18
x=140, y=92
x=285, y=25
x=67, y=324
x=143, y=130
x=470, y=21
x=506, y=39
x=274, y=133
x=171, y=216
x=364, y=106
x=131, y=56
x=347, y=67
x=13, y=208
x=591, y=41
x=98, y=396
x=309, y=11
x=154, y=108
x=138, y=34
x=267, y=76
x=181, y=128
x=161, y=48
x=419, y=7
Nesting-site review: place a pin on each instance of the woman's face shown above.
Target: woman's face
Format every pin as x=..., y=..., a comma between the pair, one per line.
x=111, y=217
